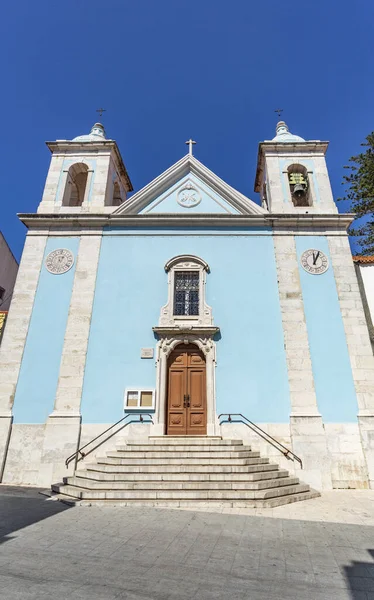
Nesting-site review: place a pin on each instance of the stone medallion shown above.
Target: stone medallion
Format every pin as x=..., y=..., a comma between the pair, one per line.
x=188, y=196
x=59, y=261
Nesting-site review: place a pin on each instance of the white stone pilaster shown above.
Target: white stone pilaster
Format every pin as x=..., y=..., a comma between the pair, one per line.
x=73, y=359
x=358, y=342
x=62, y=432
x=300, y=374
x=15, y=334
x=88, y=187
x=53, y=185
x=307, y=432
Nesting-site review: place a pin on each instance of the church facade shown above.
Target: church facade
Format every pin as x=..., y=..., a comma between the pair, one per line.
x=184, y=301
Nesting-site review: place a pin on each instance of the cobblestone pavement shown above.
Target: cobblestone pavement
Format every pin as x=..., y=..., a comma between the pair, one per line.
x=106, y=553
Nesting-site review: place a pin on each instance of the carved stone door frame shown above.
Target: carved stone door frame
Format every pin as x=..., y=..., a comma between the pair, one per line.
x=169, y=339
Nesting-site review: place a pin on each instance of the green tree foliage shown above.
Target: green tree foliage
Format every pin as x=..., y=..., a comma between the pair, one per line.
x=360, y=193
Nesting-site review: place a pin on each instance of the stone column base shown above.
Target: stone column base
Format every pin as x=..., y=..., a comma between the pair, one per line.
x=366, y=427
x=61, y=439
x=309, y=443
x=5, y=431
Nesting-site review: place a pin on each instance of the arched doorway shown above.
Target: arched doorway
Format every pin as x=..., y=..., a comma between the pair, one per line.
x=186, y=412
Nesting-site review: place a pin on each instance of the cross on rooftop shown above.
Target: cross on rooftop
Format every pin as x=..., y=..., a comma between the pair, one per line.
x=190, y=144
x=100, y=111
x=279, y=111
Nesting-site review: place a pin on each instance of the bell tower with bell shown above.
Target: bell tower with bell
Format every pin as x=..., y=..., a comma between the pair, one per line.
x=292, y=175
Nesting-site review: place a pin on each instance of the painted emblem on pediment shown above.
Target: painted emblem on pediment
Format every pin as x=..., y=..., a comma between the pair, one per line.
x=188, y=196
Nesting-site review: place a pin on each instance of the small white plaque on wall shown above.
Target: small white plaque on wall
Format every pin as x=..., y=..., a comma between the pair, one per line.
x=146, y=353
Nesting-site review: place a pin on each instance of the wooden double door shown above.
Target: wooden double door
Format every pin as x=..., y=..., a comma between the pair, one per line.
x=186, y=403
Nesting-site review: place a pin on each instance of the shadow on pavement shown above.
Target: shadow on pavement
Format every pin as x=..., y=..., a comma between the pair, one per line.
x=20, y=507
x=360, y=576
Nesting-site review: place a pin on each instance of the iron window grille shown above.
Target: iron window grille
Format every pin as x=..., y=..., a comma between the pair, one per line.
x=186, y=293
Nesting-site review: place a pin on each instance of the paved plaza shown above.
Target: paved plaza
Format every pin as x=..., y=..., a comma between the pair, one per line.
x=317, y=550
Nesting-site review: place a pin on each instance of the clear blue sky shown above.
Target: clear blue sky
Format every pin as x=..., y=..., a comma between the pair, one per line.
x=166, y=70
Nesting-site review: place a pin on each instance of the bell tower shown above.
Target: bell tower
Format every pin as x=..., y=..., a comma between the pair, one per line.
x=86, y=175
x=292, y=175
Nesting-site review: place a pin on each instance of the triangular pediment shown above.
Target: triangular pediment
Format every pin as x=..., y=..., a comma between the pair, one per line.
x=188, y=188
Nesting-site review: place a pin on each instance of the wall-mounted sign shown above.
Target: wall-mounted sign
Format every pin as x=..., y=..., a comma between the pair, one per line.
x=146, y=353
x=143, y=398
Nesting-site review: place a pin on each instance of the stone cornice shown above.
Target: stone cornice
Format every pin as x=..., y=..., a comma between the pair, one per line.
x=185, y=329
x=299, y=147
x=188, y=164
x=276, y=221
x=68, y=145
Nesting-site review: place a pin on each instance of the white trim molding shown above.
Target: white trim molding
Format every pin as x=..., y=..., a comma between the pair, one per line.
x=173, y=330
x=186, y=257
x=170, y=338
x=188, y=164
x=186, y=262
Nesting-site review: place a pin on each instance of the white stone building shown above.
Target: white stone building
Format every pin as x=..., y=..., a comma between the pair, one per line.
x=364, y=266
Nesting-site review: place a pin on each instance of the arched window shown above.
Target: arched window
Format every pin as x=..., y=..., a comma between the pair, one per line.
x=116, y=201
x=299, y=185
x=186, y=297
x=76, y=183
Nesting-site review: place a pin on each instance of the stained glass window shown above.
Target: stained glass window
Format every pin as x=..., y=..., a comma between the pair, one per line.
x=186, y=293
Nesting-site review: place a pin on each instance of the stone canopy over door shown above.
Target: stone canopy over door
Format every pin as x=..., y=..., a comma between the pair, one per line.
x=186, y=396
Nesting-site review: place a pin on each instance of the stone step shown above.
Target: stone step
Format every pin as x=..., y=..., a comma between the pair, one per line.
x=289, y=499
x=115, y=460
x=181, y=455
x=81, y=494
x=96, y=475
x=182, y=471
x=102, y=466
x=147, y=448
x=195, y=504
x=189, y=440
x=90, y=484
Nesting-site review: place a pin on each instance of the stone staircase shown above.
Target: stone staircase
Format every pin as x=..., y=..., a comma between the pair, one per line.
x=180, y=471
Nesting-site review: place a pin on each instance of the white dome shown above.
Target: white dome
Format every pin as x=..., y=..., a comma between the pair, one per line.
x=97, y=134
x=283, y=134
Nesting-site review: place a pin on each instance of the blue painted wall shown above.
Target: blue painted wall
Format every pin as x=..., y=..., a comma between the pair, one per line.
x=241, y=288
x=251, y=373
x=333, y=380
x=37, y=382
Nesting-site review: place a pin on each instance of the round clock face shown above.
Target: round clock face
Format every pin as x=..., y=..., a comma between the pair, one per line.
x=59, y=261
x=314, y=261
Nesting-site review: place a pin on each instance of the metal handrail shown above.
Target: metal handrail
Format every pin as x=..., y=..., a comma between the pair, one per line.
x=283, y=449
x=83, y=454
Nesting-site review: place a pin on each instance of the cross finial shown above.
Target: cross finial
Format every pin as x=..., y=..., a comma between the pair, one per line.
x=279, y=111
x=100, y=111
x=190, y=143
